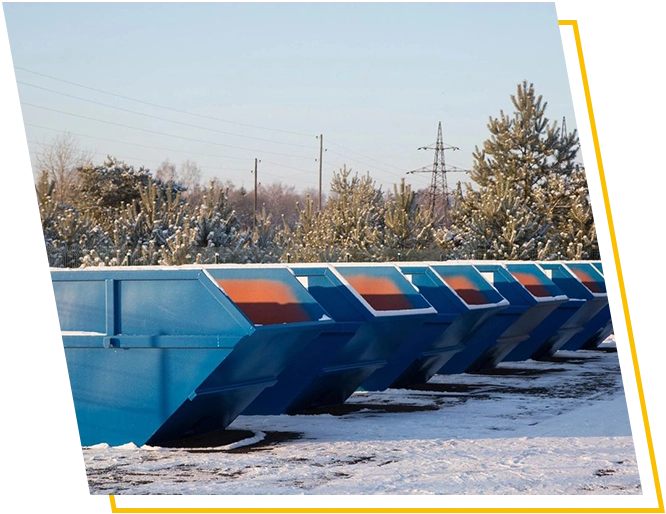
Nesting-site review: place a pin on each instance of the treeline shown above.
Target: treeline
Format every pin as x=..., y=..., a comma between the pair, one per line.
x=530, y=201
x=117, y=215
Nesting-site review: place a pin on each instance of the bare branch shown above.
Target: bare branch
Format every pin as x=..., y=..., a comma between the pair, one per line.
x=60, y=160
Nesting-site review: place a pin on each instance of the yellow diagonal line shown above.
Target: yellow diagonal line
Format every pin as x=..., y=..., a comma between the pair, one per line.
x=612, y=234
x=211, y=510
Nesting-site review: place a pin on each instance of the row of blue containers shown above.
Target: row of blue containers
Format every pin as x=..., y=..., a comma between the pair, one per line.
x=156, y=354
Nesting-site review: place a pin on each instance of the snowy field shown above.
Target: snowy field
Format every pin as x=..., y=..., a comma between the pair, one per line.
x=556, y=427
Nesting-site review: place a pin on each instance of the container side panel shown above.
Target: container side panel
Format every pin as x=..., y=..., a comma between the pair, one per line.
x=171, y=307
x=566, y=281
x=437, y=294
x=123, y=396
x=81, y=305
x=334, y=297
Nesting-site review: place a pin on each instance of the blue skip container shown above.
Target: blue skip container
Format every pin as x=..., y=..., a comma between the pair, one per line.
x=562, y=324
x=440, y=339
x=603, y=319
x=310, y=359
x=158, y=354
x=502, y=333
x=598, y=265
x=607, y=329
x=396, y=310
x=378, y=304
x=600, y=326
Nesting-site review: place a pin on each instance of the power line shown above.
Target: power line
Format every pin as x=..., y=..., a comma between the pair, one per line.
x=161, y=106
x=143, y=160
x=162, y=119
x=190, y=125
x=339, y=165
x=388, y=172
x=138, y=159
x=302, y=171
x=365, y=156
x=188, y=153
x=159, y=133
x=137, y=144
x=449, y=161
x=288, y=167
x=383, y=170
x=365, y=162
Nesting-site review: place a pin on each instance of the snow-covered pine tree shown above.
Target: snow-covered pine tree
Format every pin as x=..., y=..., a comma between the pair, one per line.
x=137, y=231
x=102, y=188
x=349, y=227
x=220, y=236
x=309, y=240
x=213, y=218
x=355, y=211
x=67, y=232
x=527, y=193
x=408, y=227
x=571, y=212
x=495, y=223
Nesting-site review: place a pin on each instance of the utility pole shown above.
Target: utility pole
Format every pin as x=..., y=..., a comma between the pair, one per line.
x=254, y=222
x=438, y=185
x=321, y=156
x=321, y=166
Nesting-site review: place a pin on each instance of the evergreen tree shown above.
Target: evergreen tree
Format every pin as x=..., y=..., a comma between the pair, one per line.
x=571, y=212
x=311, y=239
x=114, y=184
x=525, y=148
x=216, y=223
x=355, y=211
x=529, y=191
x=495, y=223
x=408, y=227
x=67, y=231
x=349, y=227
x=138, y=220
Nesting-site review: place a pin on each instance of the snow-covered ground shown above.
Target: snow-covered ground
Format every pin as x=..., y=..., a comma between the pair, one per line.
x=556, y=427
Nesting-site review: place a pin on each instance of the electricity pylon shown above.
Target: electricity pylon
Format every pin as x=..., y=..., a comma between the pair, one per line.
x=439, y=189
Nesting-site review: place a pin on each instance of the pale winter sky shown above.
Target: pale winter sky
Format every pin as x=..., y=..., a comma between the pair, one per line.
x=256, y=80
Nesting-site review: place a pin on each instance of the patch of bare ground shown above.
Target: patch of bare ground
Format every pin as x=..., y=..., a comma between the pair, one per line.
x=349, y=408
x=215, y=442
